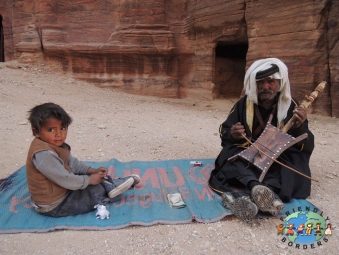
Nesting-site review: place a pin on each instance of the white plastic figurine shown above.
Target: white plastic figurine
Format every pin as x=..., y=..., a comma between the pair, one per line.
x=102, y=213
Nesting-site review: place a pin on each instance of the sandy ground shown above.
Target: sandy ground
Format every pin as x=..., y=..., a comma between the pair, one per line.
x=146, y=128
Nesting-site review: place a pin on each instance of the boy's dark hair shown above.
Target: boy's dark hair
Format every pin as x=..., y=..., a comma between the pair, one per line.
x=40, y=113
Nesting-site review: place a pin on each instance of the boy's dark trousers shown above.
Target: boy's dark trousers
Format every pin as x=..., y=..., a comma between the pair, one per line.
x=81, y=201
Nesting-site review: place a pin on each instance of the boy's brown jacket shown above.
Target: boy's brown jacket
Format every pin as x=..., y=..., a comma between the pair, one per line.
x=44, y=191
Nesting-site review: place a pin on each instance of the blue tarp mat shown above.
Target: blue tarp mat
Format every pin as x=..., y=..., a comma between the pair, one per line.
x=144, y=205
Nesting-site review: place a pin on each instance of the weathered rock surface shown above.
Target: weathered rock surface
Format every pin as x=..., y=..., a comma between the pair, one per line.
x=181, y=48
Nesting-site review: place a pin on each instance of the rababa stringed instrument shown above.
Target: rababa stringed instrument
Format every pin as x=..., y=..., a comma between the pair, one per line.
x=273, y=141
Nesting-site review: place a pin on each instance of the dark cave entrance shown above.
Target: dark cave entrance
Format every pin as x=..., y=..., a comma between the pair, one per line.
x=2, y=42
x=229, y=69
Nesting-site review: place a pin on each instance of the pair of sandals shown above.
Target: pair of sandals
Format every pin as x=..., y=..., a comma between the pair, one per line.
x=246, y=208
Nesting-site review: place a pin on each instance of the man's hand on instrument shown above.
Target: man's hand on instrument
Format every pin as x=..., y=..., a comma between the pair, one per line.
x=237, y=131
x=300, y=115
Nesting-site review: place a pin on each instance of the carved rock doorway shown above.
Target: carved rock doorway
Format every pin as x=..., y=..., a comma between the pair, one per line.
x=229, y=69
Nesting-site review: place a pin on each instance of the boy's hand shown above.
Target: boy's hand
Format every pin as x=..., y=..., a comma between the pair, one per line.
x=95, y=179
x=101, y=170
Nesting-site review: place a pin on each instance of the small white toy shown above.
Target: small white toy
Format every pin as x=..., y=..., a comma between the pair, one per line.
x=102, y=213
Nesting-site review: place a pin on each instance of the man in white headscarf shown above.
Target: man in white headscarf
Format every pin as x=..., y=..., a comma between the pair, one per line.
x=267, y=92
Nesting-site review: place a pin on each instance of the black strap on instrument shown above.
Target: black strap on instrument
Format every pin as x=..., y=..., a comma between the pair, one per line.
x=262, y=123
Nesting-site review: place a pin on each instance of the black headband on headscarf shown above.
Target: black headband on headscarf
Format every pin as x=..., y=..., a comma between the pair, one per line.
x=262, y=74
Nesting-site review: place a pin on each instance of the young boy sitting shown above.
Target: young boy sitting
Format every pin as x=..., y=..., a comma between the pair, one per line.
x=61, y=185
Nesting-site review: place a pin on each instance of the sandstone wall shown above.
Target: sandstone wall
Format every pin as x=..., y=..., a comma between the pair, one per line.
x=7, y=17
x=295, y=31
x=181, y=48
x=333, y=46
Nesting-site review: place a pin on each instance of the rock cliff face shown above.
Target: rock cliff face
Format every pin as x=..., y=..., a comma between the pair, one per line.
x=180, y=48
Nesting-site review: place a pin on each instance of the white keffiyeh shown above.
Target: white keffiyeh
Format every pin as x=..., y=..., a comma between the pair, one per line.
x=250, y=87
